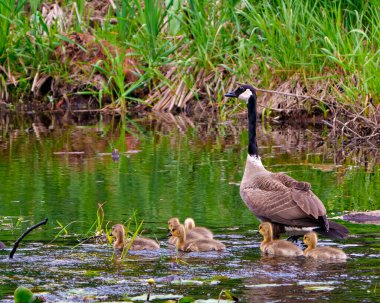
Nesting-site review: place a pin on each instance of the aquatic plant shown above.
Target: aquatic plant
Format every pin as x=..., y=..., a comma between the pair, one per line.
x=25, y=295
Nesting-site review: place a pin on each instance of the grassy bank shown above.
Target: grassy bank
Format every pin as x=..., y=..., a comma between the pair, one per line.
x=185, y=52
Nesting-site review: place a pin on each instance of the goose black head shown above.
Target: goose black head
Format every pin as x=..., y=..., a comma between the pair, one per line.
x=243, y=92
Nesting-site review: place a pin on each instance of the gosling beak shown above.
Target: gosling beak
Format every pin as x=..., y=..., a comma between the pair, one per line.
x=231, y=95
x=110, y=234
x=170, y=234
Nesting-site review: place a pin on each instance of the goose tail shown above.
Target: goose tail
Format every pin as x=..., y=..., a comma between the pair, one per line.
x=336, y=231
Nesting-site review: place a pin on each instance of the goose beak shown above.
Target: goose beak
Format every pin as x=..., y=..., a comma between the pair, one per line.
x=231, y=95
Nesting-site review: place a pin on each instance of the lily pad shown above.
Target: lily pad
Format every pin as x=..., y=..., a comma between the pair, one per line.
x=213, y=301
x=319, y=288
x=266, y=285
x=156, y=297
x=187, y=282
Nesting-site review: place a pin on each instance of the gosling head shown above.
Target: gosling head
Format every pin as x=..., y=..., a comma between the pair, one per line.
x=118, y=231
x=172, y=222
x=243, y=92
x=310, y=239
x=265, y=228
x=189, y=223
x=178, y=231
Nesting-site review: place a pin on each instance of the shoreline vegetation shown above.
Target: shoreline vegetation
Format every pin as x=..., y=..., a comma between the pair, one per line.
x=320, y=57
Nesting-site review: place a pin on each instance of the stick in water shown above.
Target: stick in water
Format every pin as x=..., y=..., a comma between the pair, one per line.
x=23, y=235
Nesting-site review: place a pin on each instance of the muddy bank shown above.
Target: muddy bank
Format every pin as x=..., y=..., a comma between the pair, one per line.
x=87, y=71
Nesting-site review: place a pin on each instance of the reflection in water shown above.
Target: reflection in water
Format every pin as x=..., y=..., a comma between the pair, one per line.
x=294, y=280
x=60, y=166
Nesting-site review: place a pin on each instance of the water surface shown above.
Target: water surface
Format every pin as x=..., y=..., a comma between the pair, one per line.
x=60, y=167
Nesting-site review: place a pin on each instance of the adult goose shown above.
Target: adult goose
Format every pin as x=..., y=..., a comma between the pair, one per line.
x=275, y=197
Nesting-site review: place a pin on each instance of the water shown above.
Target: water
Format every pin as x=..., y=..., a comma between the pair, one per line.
x=172, y=166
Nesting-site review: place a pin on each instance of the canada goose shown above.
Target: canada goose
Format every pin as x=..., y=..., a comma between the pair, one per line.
x=190, y=234
x=194, y=245
x=190, y=226
x=276, y=197
x=139, y=243
x=276, y=247
x=323, y=253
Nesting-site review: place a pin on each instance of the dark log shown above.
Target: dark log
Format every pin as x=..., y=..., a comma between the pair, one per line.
x=23, y=235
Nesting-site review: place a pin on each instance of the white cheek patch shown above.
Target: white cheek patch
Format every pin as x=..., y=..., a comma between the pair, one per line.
x=245, y=96
x=255, y=160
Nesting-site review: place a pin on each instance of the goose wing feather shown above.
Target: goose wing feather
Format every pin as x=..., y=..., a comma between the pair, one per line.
x=283, y=205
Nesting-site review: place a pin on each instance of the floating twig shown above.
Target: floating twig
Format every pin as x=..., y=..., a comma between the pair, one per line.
x=23, y=235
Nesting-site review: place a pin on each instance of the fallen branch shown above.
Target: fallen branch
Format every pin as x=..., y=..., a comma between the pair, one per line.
x=353, y=122
x=23, y=235
x=287, y=94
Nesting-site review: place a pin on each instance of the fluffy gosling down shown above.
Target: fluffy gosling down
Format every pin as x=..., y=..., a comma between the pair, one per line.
x=140, y=243
x=276, y=247
x=190, y=226
x=192, y=233
x=321, y=253
x=201, y=244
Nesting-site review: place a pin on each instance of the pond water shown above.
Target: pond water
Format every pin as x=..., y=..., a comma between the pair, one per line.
x=59, y=166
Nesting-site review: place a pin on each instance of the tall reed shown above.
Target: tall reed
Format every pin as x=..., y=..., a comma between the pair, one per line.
x=195, y=49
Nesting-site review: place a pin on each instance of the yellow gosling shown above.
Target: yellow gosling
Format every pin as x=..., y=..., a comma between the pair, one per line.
x=140, y=243
x=172, y=222
x=190, y=234
x=321, y=253
x=190, y=226
x=202, y=244
x=276, y=247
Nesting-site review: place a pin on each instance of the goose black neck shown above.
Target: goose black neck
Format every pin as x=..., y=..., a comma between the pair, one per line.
x=252, y=112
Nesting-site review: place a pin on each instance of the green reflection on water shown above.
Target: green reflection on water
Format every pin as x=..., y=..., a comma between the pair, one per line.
x=169, y=172
x=171, y=167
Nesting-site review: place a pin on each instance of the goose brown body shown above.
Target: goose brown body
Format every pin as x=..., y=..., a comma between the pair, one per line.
x=279, y=199
x=276, y=197
x=202, y=244
x=321, y=253
x=139, y=243
x=276, y=247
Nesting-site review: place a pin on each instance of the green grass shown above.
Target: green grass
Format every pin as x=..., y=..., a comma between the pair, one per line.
x=207, y=45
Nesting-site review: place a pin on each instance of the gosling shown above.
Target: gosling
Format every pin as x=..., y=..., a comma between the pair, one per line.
x=321, y=253
x=186, y=245
x=190, y=226
x=276, y=247
x=190, y=234
x=139, y=243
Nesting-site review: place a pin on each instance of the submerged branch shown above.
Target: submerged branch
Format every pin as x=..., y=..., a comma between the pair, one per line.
x=23, y=235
